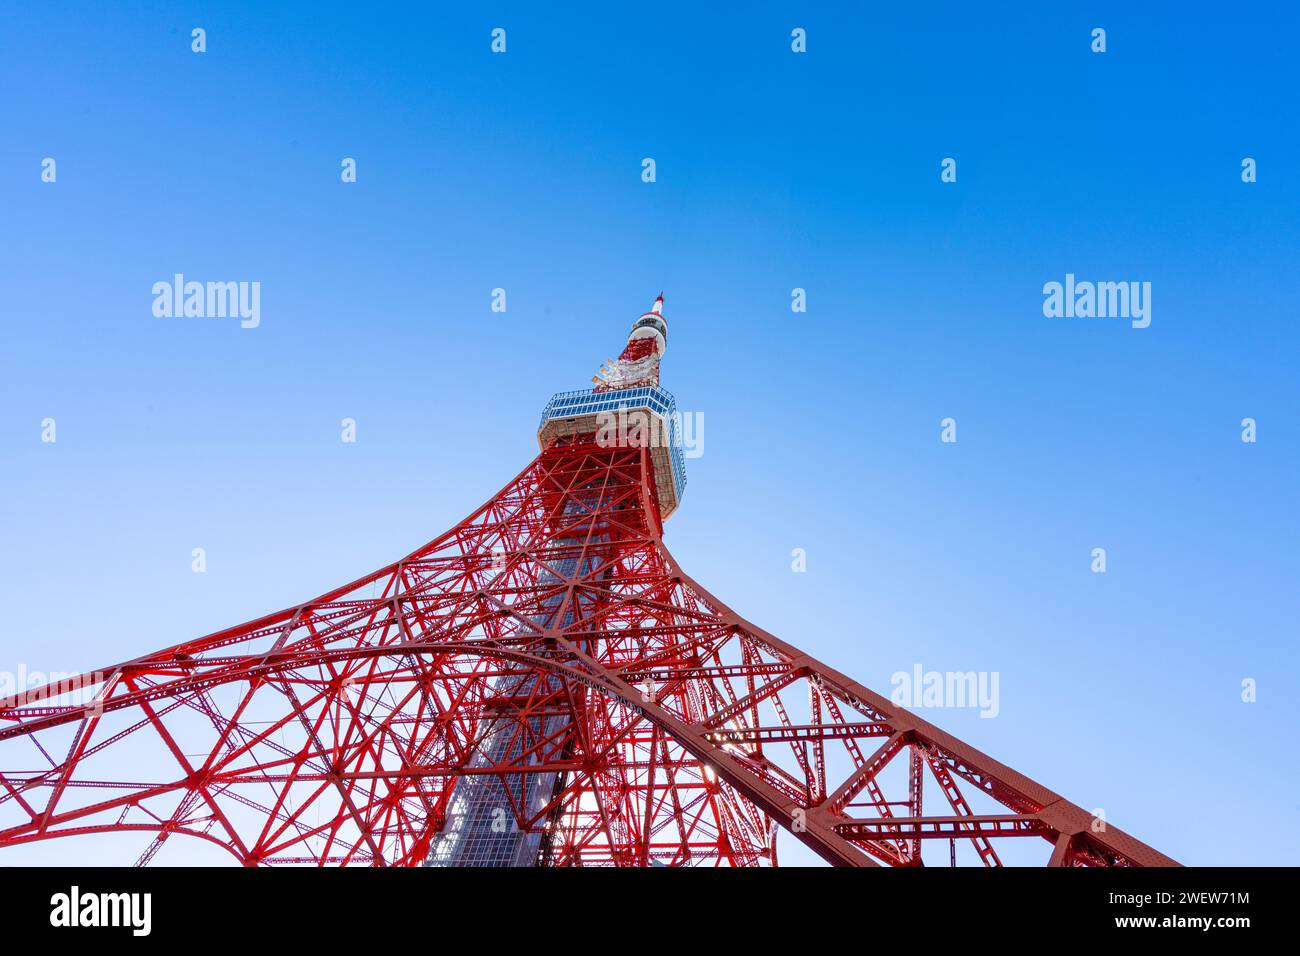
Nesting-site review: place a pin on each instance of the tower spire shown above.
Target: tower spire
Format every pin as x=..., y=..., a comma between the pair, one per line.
x=638, y=364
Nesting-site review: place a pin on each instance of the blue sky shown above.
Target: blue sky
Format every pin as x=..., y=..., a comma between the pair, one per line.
x=774, y=170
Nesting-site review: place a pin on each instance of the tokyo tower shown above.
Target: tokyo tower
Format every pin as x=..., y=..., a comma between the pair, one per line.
x=541, y=685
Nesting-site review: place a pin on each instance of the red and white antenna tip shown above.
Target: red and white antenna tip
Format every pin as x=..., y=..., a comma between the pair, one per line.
x=658, y=307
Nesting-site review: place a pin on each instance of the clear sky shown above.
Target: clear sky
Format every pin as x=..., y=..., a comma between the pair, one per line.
x=775, y=170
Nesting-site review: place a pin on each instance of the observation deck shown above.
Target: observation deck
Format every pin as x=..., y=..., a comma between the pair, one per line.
x=616, y=417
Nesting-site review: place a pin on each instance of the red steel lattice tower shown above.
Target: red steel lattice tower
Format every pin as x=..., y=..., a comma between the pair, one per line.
x=540, y=685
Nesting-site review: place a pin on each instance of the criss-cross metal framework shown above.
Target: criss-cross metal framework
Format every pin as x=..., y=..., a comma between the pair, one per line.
x=667, y=729
x=541, y=685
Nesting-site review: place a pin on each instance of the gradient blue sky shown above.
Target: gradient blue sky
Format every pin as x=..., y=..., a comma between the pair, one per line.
x=775, y=170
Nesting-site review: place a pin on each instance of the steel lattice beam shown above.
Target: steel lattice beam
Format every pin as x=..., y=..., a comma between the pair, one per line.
x=545, y=661
x=337, y=731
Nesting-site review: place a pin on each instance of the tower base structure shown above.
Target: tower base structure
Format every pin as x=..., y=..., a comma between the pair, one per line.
x=549, y=661
x=541, y=685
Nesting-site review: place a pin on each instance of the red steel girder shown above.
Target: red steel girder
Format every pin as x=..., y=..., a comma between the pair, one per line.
x=339, y=730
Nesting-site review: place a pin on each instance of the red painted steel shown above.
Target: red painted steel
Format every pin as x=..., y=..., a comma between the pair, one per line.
x=335, y=731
